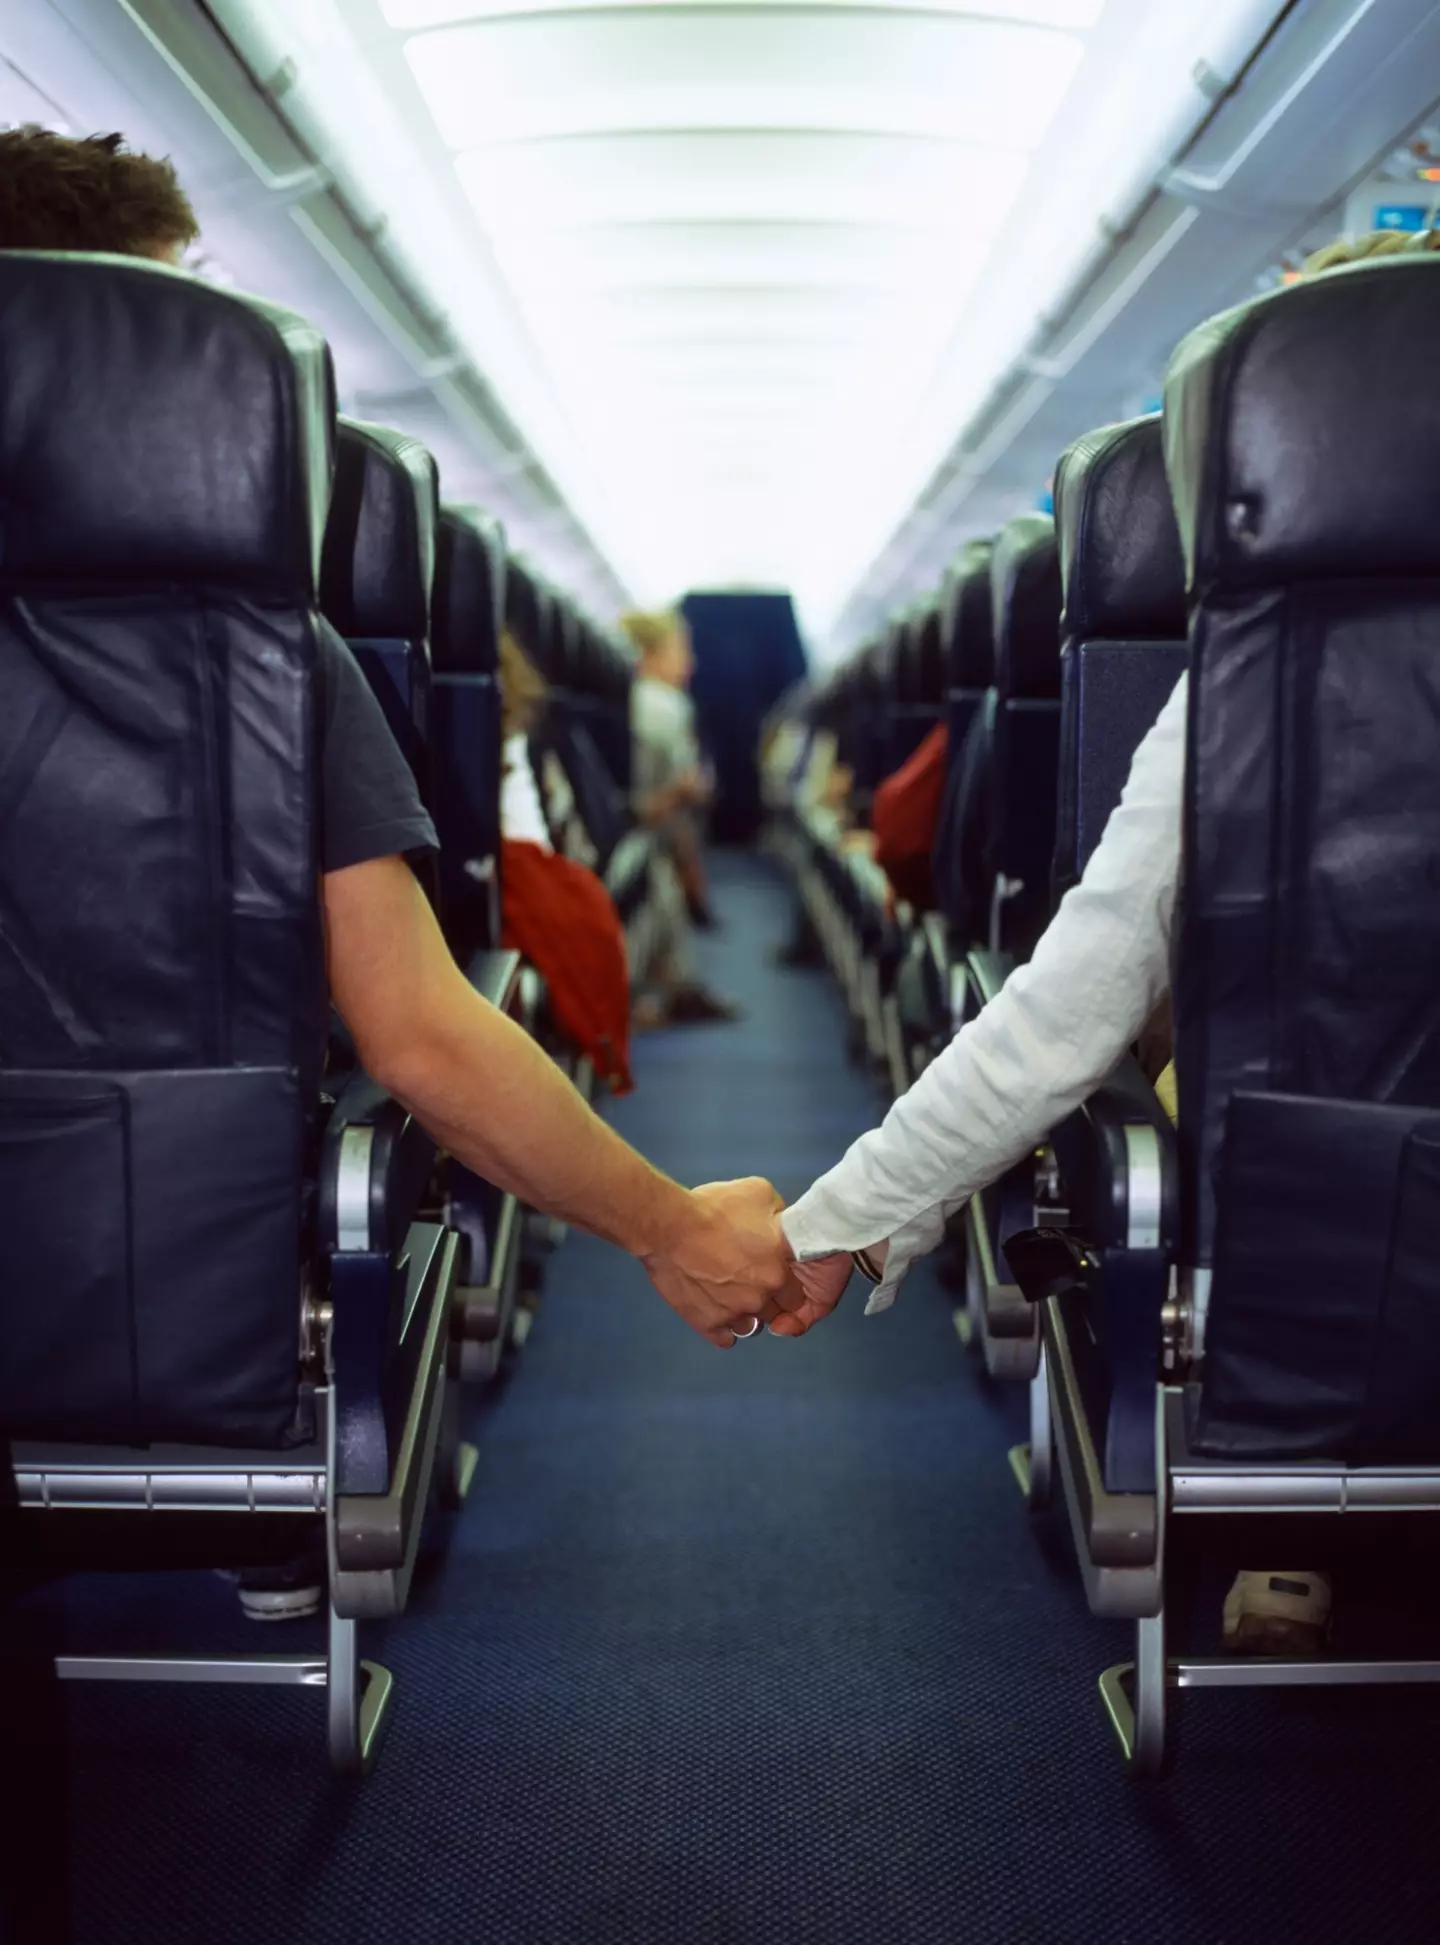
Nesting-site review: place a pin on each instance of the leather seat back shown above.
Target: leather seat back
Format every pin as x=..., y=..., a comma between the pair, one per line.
x=467, y=614
x=1025, y=752
x=525, y=612
x=606, y=677
x=969, y=652
x=165, y=454
x=917, y=684
x=376, y=575
x=1123, y=627
x=1301, y=440
x=863, y=735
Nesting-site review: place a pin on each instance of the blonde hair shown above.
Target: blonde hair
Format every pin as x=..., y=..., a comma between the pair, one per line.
x=1372, y=243
x=522, y=688
x=651, y=632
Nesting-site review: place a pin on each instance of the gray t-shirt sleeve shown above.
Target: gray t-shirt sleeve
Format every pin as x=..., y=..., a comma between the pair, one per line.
x=371, y=805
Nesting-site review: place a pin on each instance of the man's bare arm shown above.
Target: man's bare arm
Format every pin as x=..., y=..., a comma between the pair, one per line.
x=489, y=1094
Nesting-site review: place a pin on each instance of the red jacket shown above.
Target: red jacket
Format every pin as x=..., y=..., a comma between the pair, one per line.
x=560, y=916
x=904, y=814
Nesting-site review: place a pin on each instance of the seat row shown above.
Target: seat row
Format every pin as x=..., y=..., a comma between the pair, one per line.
x=1227, y=1325
x=239, y=1287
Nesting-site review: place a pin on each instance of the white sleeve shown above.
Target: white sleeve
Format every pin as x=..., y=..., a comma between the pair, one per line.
x=1056, y=1029
x=522, y=817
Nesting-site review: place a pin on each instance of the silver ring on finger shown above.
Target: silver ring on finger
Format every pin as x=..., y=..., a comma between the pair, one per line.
x=743, y=1336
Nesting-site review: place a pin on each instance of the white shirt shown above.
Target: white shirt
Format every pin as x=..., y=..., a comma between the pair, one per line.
x=1056, y=1029
x=522, y=815
x=662, y=724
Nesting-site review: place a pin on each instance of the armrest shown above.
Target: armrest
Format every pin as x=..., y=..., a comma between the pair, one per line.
x=988, y=971
x=375, y=1161
x=1120, y=1163
x=630, y=858
x=495, y=975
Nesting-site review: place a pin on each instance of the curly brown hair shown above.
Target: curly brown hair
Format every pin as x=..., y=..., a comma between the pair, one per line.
x=59, y=193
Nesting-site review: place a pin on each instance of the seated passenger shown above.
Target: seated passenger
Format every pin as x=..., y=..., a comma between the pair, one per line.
x=555, y=910
x=523, y=817
x=1058, y=1027
x=904, y=817
x=472, y=1077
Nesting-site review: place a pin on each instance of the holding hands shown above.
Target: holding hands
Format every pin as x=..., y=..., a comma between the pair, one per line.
x=727, y=1268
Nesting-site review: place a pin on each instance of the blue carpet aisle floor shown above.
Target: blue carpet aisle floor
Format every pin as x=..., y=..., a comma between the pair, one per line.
x=745, y=1649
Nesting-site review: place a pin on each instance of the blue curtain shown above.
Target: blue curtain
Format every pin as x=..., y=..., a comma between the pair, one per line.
x=747, y=654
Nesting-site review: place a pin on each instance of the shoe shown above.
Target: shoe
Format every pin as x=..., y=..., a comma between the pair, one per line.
x=702, y=916
x=697, y=1005
x=280, y=1603
x=285, y=1593
x=1285, y=1615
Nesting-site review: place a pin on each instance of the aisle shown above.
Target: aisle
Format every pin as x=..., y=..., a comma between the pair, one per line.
x=743, y=1649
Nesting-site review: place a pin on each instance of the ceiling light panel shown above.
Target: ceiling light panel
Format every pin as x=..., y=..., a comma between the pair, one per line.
x=741, y=236
x=990, y=82
x=410, y=14
x=838, y=256
x=756, y=175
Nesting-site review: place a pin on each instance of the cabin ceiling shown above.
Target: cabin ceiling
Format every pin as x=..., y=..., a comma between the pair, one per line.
x=745, y=244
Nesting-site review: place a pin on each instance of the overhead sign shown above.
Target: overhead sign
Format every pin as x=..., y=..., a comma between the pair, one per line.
x=1401, y=216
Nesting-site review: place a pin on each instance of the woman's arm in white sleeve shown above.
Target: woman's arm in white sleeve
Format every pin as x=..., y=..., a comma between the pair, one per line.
x=1052, y=1034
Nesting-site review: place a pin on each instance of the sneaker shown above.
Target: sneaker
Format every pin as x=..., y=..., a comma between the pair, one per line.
x=285, y=1593
x=280, y=1603
x=1277, y=1614
x=697, y=1005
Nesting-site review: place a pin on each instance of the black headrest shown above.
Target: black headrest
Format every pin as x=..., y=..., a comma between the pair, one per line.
x=1301, y=431
x=892, y=659
x=604, y=672
x=969, y=621
x=154, y=427
x=930, y=655
x=468, y=608
x=524, y=613
x=1120, y=560
x=1025, y=590
x=379, y=561
x=564, y=652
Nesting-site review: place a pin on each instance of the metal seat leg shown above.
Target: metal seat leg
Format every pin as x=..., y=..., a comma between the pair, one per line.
x=1137, y=1699
x=1033, y=1464
x=456, y=1458
x=358, y=1700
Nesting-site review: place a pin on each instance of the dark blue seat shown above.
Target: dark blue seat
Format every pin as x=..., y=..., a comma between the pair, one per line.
x=916, y=682
x=376, y=572
x=467, y=611
x=1123, y=629
x=585, y=730
x=1122, y=652
x=1244, y=1325
x=205, y=1266
x=967, y=640
x=1025, y=737
x=958, y=859
x=390, y=516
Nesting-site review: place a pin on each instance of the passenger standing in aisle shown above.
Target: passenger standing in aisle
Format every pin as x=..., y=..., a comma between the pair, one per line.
x=670, y=788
